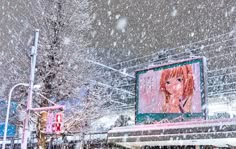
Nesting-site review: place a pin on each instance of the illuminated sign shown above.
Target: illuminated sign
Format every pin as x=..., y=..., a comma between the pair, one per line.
x=54, y=122
x=170, y=91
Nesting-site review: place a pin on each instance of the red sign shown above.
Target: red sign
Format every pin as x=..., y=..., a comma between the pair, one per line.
x=57, y=126
x=59, y=118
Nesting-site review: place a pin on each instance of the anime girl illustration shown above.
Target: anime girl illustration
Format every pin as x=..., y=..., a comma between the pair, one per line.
x=177, y=86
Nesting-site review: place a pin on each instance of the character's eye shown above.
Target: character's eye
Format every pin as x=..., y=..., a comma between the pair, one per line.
x=167, y=82
x=179, y=79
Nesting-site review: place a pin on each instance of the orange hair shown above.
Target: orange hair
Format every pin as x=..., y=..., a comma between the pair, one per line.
x=181, y=71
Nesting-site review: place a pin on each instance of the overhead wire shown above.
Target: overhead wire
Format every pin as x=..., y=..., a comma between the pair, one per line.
x=181, y=46
x=203, y=52
x=204, y=46
x=200, y=41
x=182, y=52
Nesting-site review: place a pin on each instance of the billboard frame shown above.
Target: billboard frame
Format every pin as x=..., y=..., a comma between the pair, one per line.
x=145, y=117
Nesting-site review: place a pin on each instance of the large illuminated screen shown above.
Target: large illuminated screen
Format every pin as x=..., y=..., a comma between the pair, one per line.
x=171, y=90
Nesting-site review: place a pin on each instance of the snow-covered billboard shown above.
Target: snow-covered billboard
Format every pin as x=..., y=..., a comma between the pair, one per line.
x=171, y=90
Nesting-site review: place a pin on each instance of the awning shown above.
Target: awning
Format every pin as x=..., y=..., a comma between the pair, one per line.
x=221, y=133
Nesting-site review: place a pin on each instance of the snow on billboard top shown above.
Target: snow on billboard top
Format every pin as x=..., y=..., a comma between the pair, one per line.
x=171, y=91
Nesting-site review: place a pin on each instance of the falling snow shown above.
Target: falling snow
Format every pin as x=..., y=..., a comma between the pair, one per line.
x=122, y=24
x=91, y=54
x=67, y=40
x=174, y=12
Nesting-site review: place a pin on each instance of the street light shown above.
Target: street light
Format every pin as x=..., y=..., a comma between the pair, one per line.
x=8, y=111
x=35, y=87
x=29, y=99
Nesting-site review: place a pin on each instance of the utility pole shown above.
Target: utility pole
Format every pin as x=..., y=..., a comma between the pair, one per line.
x=30, y=91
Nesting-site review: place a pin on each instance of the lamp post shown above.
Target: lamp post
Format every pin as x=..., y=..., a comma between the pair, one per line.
x=29, y=99
x=30, y=92
x=8, y=111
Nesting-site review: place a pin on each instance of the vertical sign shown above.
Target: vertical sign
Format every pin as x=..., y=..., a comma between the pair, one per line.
x=58, y=122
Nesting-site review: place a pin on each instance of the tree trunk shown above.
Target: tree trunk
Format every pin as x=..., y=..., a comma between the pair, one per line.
x=41, y=141
x=53, y=66
x=41, y=136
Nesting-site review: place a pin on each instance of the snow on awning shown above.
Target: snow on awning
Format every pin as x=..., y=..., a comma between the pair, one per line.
x=221, y=133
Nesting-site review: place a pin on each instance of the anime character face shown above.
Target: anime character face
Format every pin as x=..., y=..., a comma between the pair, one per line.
x=175, y=86
x=177, y=82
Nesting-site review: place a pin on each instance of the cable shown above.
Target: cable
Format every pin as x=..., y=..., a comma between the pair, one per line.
x=181, y=53
x=173, y=54
x=225, y=68
x=222, y=55
x=184, y=52
x=108, y=86
x=110, y=68
x=46, y=98
x=208, y=58
x=178, y=53
x=177, y=47
x=220, y=93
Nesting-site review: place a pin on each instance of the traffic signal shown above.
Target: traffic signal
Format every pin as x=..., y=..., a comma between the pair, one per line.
x=43, y=120
x=59, y=117
x=57, y=127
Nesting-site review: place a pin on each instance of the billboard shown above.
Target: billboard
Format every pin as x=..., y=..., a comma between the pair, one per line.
x=170, y=91
x=3, y=110
x=11, y=129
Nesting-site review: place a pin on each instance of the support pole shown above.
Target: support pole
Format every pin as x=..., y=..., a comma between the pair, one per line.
x=57, y=107
x=12, y=143
x=30, y=92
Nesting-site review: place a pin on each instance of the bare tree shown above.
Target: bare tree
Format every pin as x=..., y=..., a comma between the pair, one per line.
x=64, y=27
x=61, y=69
